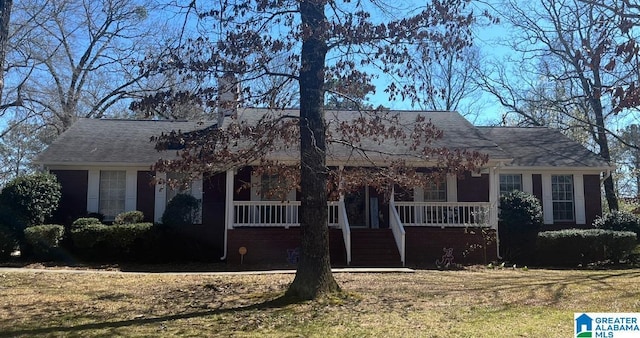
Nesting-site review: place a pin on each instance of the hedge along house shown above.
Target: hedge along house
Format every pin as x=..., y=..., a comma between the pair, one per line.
x=103, y=166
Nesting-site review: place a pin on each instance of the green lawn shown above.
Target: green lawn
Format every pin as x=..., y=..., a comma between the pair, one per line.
x=471, y=303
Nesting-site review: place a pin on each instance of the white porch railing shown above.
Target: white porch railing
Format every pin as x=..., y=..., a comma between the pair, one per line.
x=343, y=220
x=274, y=214
x=445, y=214
x=397, y=229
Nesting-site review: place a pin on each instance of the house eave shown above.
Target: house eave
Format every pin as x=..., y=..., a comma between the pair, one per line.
x=559, y=168
x=94, y=164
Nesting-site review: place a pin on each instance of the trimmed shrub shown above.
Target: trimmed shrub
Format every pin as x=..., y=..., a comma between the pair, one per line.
x=619, y=221
x=8, y=242
x=112, y=242
x=84, y=221
x=97, y=215
x=182, y=210
x=520, y=221
x=129, y=217
x=520, y=209
x=579, y=246
x=31, y=198
x=43, y=241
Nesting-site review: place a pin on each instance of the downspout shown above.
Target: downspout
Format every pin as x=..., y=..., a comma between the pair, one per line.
x=607, y=173
x=496, y=179
x=228, y=210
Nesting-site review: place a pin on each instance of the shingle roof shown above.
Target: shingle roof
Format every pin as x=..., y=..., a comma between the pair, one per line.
x=112, y=141
x=458, y=133
x=542, y=147
x=104, y=141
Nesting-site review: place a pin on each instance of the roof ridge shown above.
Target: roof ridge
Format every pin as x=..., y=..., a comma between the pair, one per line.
x=142, y=120
x=518, y=127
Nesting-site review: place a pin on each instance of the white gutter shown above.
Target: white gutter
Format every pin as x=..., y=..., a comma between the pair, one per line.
x=497, y=176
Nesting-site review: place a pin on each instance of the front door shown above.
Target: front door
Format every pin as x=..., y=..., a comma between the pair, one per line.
x=366, y=208
x=356, y=204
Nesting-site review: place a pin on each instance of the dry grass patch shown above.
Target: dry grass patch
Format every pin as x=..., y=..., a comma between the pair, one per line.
x=482, y=303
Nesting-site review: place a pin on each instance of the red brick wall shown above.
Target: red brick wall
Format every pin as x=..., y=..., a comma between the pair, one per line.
x=592, y=198
x=425, y=246
x=473, y=189
x=276, y=246
x=213, y=207
x=73, y=203
x=242, y=176
x=536, y=180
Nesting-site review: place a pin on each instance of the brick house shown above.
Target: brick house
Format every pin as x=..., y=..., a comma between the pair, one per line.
x=104, y=166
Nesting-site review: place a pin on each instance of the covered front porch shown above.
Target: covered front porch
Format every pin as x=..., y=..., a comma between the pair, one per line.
x=377, y=232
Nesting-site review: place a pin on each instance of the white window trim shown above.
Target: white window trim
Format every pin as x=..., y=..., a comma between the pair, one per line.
x=160, y=198
x=256, y=183
x=93, y=188
x=547, y=199
x=527, y=183
x=501, y=175
x=452, y=188
x=197, y=191
x=573, y=195
x=578, y=197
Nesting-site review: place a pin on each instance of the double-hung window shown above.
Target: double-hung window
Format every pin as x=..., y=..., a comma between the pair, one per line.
x=112, y=192
x=510, y=182
x=562, y=197
x=435, y=191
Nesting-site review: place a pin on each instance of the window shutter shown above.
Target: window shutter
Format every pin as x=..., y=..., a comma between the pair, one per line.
x=547, y=201
x=93, y=191
x=161, y=198
x=578, y=193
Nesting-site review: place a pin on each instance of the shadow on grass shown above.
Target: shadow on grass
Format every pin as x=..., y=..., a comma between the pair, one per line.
x=276, y=303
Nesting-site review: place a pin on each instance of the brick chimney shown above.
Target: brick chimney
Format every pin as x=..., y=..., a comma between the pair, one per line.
x=228, y=96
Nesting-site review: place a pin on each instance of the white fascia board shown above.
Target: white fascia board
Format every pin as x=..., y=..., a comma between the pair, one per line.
x=557, y=169
x=103, y=166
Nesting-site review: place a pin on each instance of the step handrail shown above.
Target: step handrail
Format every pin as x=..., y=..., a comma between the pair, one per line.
x=343, y=221
x=398, y=231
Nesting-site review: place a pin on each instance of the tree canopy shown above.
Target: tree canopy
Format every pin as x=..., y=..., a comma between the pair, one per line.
x=313, y=43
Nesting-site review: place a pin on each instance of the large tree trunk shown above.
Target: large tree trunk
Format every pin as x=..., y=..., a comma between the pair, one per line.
x=601, y=139
x=5, y=15
x=313, y=277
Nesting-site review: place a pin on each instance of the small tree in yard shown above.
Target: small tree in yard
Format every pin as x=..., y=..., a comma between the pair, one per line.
x=182, y=210
x=520, y=221
x=28, y=200
x=315, y=42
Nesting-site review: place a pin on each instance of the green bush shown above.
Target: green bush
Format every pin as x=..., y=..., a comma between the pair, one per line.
x=31, y=198
x=519, y=223
x=111, y=242
x=8, y=242
x=579, y=246
x=520, y=209
x=43, y=241
x=619, y=221
x=129, y=217
x=84, y=221
x=182, y=210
